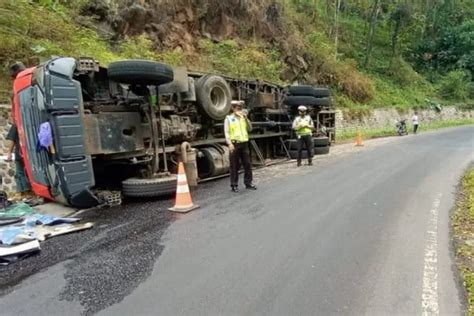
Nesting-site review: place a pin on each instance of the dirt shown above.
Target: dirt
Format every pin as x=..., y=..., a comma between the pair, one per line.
x=180, y=25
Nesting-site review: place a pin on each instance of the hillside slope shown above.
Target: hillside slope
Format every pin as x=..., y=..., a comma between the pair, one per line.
x=284, y=41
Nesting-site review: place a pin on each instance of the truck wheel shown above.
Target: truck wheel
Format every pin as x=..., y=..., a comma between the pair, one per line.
x=137, y=187
x=321, y=150
x=305, y=90
x=301, y=90
x=297, y=100
x=307, y=100
x=321, y=141
x=143, y=72
x=321, y=92
x=323, y=101
x=214, y=96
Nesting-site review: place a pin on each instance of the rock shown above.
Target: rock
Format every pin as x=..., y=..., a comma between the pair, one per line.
x=7, y=181
x=181, y=17
x=11, y=172
x=189, y=14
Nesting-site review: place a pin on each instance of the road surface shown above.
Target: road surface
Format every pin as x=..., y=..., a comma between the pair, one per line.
x=365, y=231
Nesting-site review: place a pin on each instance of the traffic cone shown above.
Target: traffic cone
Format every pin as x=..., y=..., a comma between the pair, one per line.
x=359, y=139
x=183, y=203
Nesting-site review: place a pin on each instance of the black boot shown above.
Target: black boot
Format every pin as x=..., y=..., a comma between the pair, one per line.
x=234, y=188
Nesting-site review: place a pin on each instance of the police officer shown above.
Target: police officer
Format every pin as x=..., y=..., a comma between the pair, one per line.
x=236, y=128
x=23, y=186
x=304, y=125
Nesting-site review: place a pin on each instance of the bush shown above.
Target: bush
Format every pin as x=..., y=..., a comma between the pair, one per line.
x=456, y=85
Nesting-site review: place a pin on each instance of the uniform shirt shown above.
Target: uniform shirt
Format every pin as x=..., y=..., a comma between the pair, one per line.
x=227, y=128
x=13, y=136
x=300, y=119
x=415, y=119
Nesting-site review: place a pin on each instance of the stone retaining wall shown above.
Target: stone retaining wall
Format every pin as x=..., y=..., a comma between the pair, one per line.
x=7, y=169
x=381, y=118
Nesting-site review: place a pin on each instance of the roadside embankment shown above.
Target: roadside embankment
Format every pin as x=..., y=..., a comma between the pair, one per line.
x=463, y=235
x=381, y=122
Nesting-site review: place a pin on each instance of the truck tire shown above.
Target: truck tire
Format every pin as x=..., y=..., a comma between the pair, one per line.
x=301, y=90
x=300, y=100
x=214, y=96
x=321, y=150
x=305, y=90
x=321, y=141
x=323, y=101
x=137, y=187
x=143, y=72
x=321, y=92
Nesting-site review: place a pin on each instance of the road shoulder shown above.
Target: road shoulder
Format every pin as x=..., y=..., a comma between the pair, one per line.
x=462, y=223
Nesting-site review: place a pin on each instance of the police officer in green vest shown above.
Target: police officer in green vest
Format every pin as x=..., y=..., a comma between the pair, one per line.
x=304, y=125
x=236, y=128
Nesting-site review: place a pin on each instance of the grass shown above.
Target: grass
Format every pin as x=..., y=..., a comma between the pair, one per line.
x=463, y=230
x=347, y=135
x=44, y=28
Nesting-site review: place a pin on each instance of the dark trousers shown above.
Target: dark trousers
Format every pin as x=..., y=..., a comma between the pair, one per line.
x=306, y=141
x=22, y=182
x=240, y=155
x=415, y=128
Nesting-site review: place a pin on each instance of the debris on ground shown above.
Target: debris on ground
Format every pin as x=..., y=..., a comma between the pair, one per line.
x=22, y=228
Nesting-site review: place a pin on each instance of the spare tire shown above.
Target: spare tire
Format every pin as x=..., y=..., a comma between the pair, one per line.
x=321, y=92
x=300, y=100
x=305, y=90
x=301, y=90
x=155, y=187
x=213, y=96
x=323, y=101
x=142, y=72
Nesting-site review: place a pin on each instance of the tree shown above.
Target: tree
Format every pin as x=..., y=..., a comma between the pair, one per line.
x=336, y=25
x=400, y=18
x=370, y=36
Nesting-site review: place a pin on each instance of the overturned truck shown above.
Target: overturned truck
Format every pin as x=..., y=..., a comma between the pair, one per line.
x=127, y=126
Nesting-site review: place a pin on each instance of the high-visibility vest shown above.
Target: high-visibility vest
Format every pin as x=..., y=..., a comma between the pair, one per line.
x=238, y=129
x=302, y=131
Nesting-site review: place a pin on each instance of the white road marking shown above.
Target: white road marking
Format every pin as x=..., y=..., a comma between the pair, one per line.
x=429, y=297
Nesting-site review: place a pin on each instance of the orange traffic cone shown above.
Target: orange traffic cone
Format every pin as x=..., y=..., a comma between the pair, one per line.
x=184, y=203
x=359, y=139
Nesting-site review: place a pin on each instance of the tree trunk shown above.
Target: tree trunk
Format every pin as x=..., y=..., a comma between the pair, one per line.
x=328, y=14
x=370, y=36
x=336, y=26
x=396, y=32
x=315, y=11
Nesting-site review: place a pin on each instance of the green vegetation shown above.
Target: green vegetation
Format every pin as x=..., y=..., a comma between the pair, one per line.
x=463, y=230
x=348, y=135
x=251, y=60
x=372, y=53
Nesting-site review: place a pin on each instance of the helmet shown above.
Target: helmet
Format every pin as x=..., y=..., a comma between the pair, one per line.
x=302, y=108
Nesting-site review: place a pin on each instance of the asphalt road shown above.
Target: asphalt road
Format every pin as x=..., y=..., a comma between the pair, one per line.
x=365, y=231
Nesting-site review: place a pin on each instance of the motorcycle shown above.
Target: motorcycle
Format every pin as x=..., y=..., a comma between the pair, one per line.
x=402, y=127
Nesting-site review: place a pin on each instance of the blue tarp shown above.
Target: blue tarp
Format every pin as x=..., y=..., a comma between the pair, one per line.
x=25, y=230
